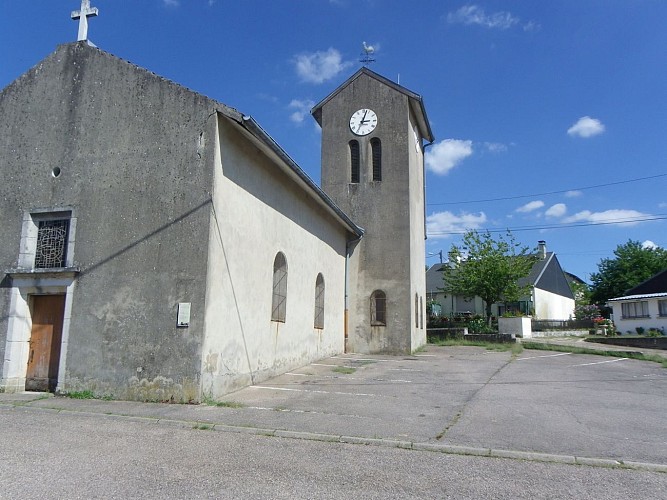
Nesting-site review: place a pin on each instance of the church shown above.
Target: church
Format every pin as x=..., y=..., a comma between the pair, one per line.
x=159, y=245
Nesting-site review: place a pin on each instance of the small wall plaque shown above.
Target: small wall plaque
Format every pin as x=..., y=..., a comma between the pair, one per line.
x=183, y=317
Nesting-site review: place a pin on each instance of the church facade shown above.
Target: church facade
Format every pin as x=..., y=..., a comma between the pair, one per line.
x=160, y=245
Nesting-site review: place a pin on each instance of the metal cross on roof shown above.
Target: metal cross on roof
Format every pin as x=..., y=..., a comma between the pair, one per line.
x=83, y=15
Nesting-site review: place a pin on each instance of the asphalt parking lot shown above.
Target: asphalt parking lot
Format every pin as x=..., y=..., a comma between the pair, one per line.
x=538, y=402
x=450, y=422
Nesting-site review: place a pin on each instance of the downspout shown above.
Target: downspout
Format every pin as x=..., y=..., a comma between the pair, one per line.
x=348, y=248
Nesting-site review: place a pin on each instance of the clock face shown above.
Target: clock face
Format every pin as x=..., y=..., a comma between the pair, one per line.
x=363, y=122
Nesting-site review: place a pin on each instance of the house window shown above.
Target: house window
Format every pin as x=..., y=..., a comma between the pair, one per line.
x=354, y=162
x=319, y=302
x=637, y=309
x=378, y=308
x=662, y=307
x=51, y=248
x=279, y=302
x=376, y=155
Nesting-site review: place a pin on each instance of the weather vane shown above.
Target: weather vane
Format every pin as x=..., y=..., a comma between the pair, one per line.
x=82, y=15
x=366, y=55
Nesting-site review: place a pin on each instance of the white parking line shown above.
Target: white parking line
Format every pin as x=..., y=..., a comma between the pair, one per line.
x=546, y=356
x=602, y=362
x=307, y=390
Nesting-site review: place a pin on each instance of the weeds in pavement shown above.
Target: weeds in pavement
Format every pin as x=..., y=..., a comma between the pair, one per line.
x=202, y=427
x=346, y=370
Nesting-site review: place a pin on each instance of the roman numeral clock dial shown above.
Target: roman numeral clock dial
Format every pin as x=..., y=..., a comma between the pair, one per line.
x=363, y=121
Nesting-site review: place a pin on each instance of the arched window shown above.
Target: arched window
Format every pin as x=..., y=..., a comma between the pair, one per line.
x=354, y=162
x=416, y=311
x=378, y=308
x=319, y=302
x=279, y=301
x=376, y=153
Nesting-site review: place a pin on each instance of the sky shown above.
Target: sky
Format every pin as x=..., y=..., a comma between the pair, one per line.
x=550, y=117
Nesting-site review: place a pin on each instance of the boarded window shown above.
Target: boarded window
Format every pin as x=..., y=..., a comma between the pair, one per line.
x=319, y=302
x=378, y=308
x=376, y=153
x=637, y=309
x=51, y=250
x=354, y=162
x=279, y=302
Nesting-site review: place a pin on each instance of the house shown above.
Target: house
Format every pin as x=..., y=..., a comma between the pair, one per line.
x=644, y=306
x=550, y=298
x=160, y=245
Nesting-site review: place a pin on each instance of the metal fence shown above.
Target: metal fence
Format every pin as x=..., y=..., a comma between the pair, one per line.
x=540, y=325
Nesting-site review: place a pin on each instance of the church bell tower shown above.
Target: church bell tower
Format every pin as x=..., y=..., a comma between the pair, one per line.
x=373, y=134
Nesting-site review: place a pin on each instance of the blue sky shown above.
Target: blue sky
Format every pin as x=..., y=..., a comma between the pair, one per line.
x=550, y=117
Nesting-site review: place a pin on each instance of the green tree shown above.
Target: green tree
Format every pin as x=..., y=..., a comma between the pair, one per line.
x=633, y=264
x=488, y=268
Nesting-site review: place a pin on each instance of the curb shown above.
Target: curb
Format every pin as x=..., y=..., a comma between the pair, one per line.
x=357, y=440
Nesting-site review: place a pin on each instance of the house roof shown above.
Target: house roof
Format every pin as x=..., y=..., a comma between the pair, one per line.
x=655, y=284
x=545, y=274
x=639, y=296
x=415, y=100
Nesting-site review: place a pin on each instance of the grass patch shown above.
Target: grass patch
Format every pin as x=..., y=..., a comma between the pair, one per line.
x=202, y=427
x=513, y=347
x=81, y=395
x=346, y=370
x=228, y=404
x=583, y=350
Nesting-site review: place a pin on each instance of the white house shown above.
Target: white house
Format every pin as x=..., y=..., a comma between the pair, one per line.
x=644, y=306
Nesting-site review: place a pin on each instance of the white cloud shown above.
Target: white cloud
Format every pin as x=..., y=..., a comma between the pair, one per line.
x=443, y=224
x=530, y=206
x=495, y=147
x=301, y=109
x=649, y=244
x=473, y=14
x=586, y=127
x=557, y=210
x=608, y=216
x=573, y=194
x=318, y=67
x=445, y=155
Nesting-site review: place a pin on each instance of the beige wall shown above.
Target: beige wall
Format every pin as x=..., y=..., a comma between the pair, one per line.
x=259, y=211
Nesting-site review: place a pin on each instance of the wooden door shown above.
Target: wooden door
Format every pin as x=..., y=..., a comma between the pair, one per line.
x=45, y=339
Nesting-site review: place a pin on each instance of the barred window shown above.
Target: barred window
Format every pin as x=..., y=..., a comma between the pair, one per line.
x=378, y=308
x=354, y=162
x=637, y=309
x=376, y=153
x=421, y=312
x=279, y=301
x=662, y=307
x=319, y=302
x=51, y=249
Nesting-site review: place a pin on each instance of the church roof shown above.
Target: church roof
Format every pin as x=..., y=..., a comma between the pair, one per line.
x=416, y=101
x=254, y=132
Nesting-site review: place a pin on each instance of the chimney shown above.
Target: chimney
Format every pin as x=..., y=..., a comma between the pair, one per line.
x=542, y=249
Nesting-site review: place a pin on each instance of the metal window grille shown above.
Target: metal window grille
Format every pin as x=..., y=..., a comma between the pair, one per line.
x=354, y=162
x=279, y=301
x=416, y=311
x=378, y=308
x=319, y=302
x=51, y=250
x=376, y=151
